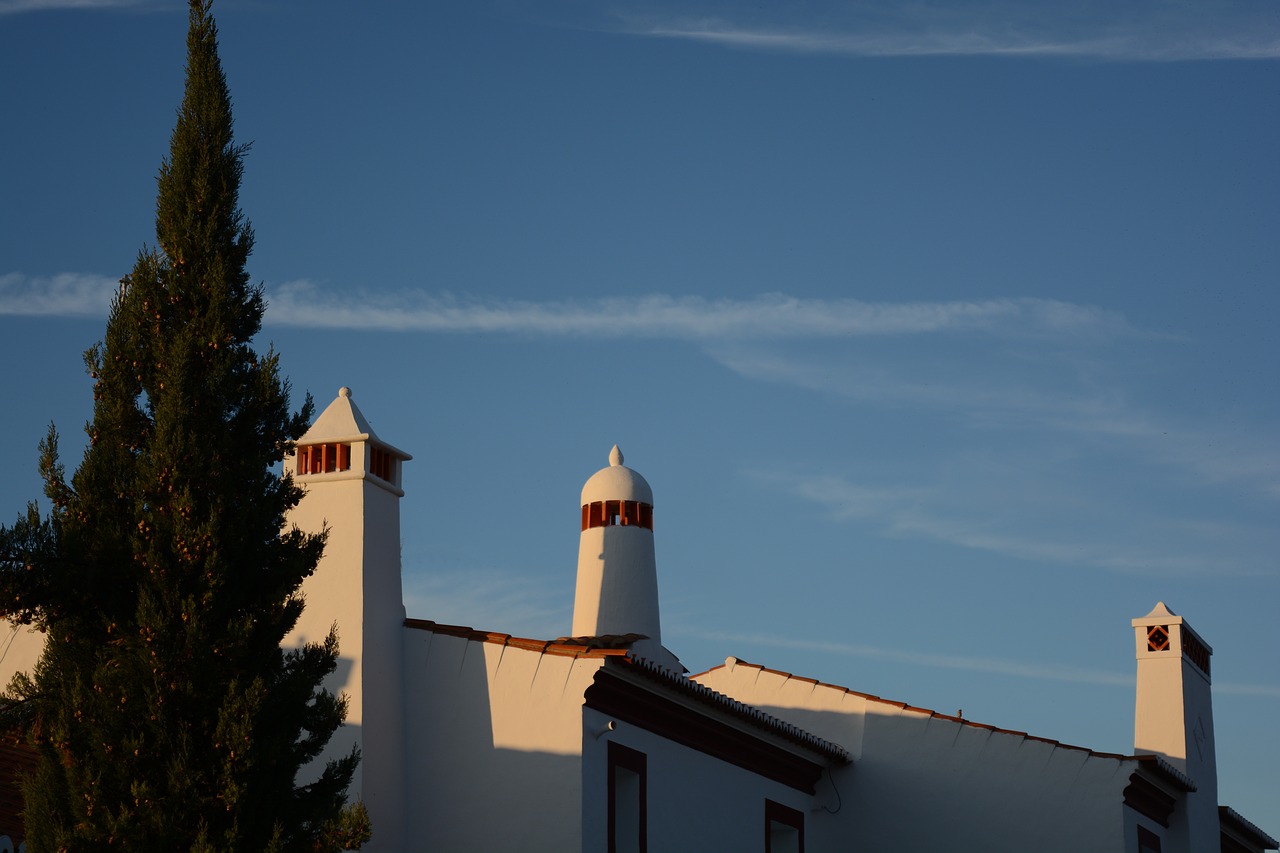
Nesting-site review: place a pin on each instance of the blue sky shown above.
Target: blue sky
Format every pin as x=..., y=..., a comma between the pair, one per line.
x=944, y=333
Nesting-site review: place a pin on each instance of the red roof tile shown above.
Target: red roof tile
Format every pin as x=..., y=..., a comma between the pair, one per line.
x=1164, y=767
x=749, y=713
x=570, y=646
x=616, y=646
x=1230, y=817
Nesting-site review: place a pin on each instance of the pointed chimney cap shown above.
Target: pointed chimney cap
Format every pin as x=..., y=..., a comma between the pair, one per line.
x=342, y=421
x=1159, y=615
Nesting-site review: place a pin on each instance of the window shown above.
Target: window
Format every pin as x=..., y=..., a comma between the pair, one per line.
x=1148, y=841
x=783, y=828
x=627, y=800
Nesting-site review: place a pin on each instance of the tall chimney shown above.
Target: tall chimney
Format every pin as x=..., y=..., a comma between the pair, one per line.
x=1174, y=714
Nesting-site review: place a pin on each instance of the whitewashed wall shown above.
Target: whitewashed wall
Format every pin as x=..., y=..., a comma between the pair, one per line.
x=924, y=782
x=695, y=802
x=493, y=747
x=20, y=648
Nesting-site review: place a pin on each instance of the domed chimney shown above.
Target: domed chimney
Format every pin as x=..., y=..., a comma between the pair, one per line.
x=617, y=591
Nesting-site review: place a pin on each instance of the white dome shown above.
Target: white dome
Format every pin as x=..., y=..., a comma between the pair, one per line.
x=616, y=483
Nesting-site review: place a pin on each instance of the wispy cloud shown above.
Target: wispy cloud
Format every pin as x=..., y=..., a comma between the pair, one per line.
x=519, y=604
x=872, y=381
x=1267, y=690
x=1002, y=514
x=766, y=317
x=61, y=295
x=986, y=394
x=1151, y=31
x=1116, y=48
x=995, y=666
x=990, y=394
x=964, y=663
x=770, y=316
x=14, y=7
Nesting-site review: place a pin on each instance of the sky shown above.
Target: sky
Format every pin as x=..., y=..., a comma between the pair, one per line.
x=944, y=333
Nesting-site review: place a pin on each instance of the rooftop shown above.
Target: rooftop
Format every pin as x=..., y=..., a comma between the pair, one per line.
x=1151, y=762
x=616, y=648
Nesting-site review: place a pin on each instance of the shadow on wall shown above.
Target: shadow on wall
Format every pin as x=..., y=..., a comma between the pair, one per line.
x=345, y=737
x=20, y=648
x=493, y=736
x=973, y=778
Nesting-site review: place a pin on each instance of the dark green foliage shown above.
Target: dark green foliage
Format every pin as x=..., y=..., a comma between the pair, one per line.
x=165, y=714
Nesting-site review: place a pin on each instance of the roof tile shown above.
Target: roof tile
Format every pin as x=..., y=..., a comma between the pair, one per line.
x=958, y=719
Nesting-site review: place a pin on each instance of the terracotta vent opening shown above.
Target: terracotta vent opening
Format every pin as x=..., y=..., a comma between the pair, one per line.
x=324, y=458
x=617, y=514
x=380, y=464
x=1195, y=650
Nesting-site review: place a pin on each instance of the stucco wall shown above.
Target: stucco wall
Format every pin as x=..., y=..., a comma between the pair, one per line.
x=695, y=802
x=1173, y=718
x=382, y=717
x=493, y=745
x=920, y=781
x=357, y=588
x=624, y=598
x=334, y=594
x=20, y=648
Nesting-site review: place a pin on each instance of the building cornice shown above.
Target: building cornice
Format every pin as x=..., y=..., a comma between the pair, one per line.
x=1231, y=820
x=649, y=697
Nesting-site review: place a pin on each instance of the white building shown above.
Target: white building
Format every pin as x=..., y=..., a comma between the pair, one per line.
x=477, y=741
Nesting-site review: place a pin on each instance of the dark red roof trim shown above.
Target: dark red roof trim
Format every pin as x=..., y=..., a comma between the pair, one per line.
x=629, y=700
x=1149, y=799
x=562, y=646
x=604, y=641
x=1183, y=780
x=614, y=647
x=1160, y=767
x=1229, y=817
x=749, y=713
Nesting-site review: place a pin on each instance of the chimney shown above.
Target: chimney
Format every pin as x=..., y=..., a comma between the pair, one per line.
x=1174, y=714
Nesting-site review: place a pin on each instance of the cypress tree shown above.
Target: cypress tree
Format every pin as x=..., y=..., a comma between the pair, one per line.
x=164, y=712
